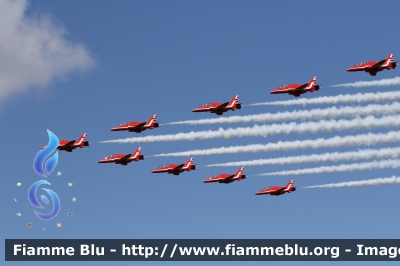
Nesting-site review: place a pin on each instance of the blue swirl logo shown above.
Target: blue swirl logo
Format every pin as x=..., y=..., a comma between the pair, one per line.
x=43, y=154
x=34, y=201
x=44, y=169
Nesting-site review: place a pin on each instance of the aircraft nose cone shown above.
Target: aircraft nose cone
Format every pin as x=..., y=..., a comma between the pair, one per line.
x=114, y=129
x=258, y=193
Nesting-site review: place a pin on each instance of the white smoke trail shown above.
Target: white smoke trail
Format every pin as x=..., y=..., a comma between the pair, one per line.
x=374, y=83
x=332, y=112
x=266, y=130
x=362, y=183
x=365, y=154
x=334, y=142
x=341, y=98
x=339, y=168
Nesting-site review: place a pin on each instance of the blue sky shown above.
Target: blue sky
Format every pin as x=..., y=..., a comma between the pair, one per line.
x=166, y=58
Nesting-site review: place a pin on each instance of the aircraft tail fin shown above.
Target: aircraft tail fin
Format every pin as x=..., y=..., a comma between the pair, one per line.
x=136, y=153
x=188, y=163
x=312, y=83
x=234, y=101
x=80, y=141
x=151, y=121
x=239, y=172
x=289, y=184
x=388, y=60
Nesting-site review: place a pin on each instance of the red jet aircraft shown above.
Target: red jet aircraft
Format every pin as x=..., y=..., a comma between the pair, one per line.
x=124, y=159
x=276, y=191
x=220, y=108
x=297, y=89
x=69, y=145
x=137, y=126
x=176, y=169
x=373, y=67
x=226, y=178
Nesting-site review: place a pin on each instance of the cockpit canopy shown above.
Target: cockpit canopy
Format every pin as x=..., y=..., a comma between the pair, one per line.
x=123, y=124
x=109, y=156
x=162, y=166
x=361, y=63
x=283, y=86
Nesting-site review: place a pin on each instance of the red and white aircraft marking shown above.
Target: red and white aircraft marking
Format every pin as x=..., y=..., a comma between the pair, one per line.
x=276, y=190
x=124, y=159
x=226, y=178
x=219, y=108
x=176, y=169
x=297, y=89
x=69, y=145
x=137, y=126
x=374, y=67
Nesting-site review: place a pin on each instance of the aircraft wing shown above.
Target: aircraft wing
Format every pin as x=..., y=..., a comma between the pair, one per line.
x=125, y=158
x=222, y=106
x=69, y=143
x=377, y=65
x=228, y=177
x=279, y=189
x=138, y=125
x=136, y=128
x=300, y=88
x=178, y=167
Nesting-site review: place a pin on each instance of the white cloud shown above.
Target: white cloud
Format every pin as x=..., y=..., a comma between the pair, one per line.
x=34, y=50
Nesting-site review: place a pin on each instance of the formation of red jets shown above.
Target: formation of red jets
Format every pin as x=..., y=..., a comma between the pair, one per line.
x=370, y=67
x=218, y=108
